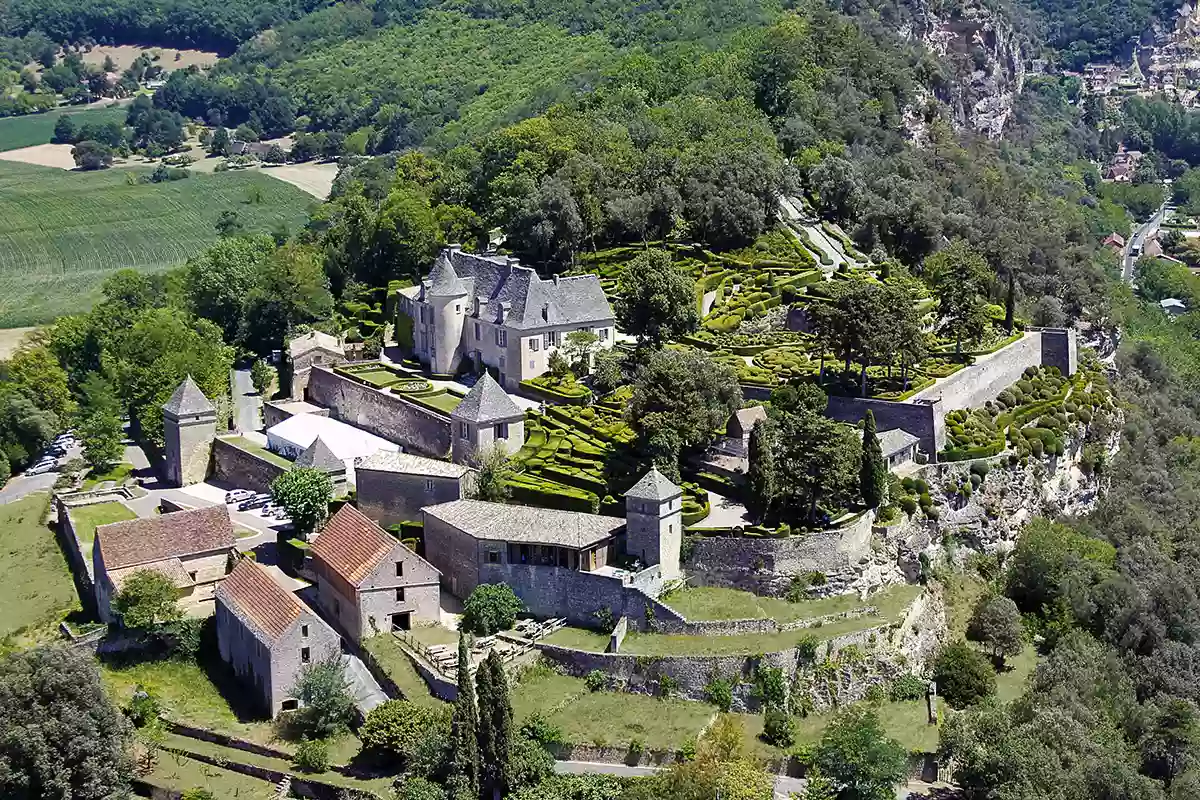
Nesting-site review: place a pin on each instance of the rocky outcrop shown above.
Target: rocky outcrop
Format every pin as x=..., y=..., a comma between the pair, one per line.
x=986, y=59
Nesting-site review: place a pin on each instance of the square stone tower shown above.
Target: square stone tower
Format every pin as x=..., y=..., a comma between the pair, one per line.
x=654, y=523
x=485, y=417
x=189, y=427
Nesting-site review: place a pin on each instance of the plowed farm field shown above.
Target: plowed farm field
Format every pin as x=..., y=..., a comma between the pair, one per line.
x=62, y=233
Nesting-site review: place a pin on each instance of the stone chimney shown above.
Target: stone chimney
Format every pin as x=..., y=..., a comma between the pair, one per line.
x=546, y=312
x=505, y=307
x=555, y=281
x=513, y=263
x=480, y=305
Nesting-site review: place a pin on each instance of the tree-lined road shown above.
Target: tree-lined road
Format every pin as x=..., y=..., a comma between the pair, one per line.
x=1134, y=246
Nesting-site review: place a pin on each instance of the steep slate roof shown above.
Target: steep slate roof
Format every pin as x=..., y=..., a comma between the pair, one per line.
x=319, y=456
x=352, y=545
x=409, y=464
x=533, y=302
x=526, y=524
x=895, y=440
x=263, y=606
x=175, y=535
x=654, y=486
x=311, y=341
x=443, y=280
x=188, y=399
x=487, y=402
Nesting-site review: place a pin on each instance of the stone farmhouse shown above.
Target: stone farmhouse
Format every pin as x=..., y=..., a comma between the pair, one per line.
x=192, y=548
x=312, y=348
x=368, y=582
x=561, y=563
x=267, y=635
x=394, y=487
x=492, y=312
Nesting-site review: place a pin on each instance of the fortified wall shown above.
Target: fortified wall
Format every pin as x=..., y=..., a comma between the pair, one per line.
x=923, y=415
x=766, y=565
x=237, y=467
x=381, y=413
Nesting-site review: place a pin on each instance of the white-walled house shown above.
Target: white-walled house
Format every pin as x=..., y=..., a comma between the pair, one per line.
x=494, y=312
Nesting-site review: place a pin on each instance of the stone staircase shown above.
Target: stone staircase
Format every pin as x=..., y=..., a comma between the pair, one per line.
x=284, y=788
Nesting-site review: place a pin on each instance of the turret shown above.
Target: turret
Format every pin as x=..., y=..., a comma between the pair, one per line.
x=654, y=523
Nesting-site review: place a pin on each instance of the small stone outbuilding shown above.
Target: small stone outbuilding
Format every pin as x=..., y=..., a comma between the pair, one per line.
x=267, y=635
x=312, y=348
x=487, y=416
x=368, y=581
x=192, y=548
x=393, y=487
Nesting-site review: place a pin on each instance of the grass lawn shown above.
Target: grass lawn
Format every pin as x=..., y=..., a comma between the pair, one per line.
x=1011, y=683
x=181, y=773
x=891, y=603
x=186, y=693
x=63, y=232
x=703, y=603
x=444, y=402
x=379, y=377
x=87, y=518
x=380, y=786
x=262, y=452
x=579, y=639
x=36, y=590
x=118, y=473
x=31, y=129
x=608, y=718
x=401, y=670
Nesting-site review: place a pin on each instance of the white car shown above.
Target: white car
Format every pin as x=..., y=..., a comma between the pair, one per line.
x=238, y=495
x=41, y=467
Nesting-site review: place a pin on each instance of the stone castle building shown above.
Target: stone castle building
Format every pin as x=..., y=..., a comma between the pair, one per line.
x=493, y=312
x=189, y=427
x=312, y=348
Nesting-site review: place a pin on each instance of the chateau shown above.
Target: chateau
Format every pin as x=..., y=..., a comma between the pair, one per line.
x=492, y=312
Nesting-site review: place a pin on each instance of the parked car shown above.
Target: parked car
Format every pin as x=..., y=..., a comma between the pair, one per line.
x=258, y=501
x=41, y=467
x=238, y=495
x=282, y=513
x=55, y=451
x=268, y=509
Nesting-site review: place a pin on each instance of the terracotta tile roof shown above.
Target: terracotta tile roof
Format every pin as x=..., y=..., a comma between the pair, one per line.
x=175, y=535
x=171, y=567
x=258, y=601
x=352, y=545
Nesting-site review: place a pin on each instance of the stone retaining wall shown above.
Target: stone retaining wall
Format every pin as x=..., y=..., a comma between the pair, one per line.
x=641, y=674
x=743, y=627
x=992, y=374
x=241, y=468
x=417, y=429
x=766, y=565
x=923, y=419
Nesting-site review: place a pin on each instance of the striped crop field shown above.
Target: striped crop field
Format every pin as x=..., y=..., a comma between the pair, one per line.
x=31, y=129
x=62, y=233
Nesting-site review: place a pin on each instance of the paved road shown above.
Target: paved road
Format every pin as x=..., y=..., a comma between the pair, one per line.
x=597, y=768
x=246, y=401
x=23, y=485
x=1138, y=240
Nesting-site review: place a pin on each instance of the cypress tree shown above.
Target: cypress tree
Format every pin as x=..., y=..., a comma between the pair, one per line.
x=762, y=479
x=1010, y=301
x=495, y=728
x=463, y=782
x=873, y=473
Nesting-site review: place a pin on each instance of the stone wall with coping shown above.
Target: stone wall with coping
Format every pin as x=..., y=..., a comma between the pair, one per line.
x=276, y=411
x=619, y=632
x=415, y=428
x=766, y=565
x=923, y=419
x=743, y=627
x=234, y=466
x=990, y=375
x=642, y=674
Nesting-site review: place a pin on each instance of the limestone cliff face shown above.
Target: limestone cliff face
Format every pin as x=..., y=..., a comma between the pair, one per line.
x=985, y=58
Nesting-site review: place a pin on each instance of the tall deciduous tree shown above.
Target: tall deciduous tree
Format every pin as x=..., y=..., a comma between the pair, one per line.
x=959, y=275
x=103, y=437
x=656, y=300
x=463, y=780
x=857, y=755
x=762, y=478
x=305, y=493
x=963, y=675
x=872, y=480
x=147, y=598
x=60, y=734
x=492, y=472
x=684, y=392
x=996, y=622
x=323, y=692
x=818, y=463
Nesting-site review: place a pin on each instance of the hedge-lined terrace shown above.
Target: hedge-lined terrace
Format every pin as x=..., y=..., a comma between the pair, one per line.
x=404, y=383
x=571, y=456
x=1031, y=417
